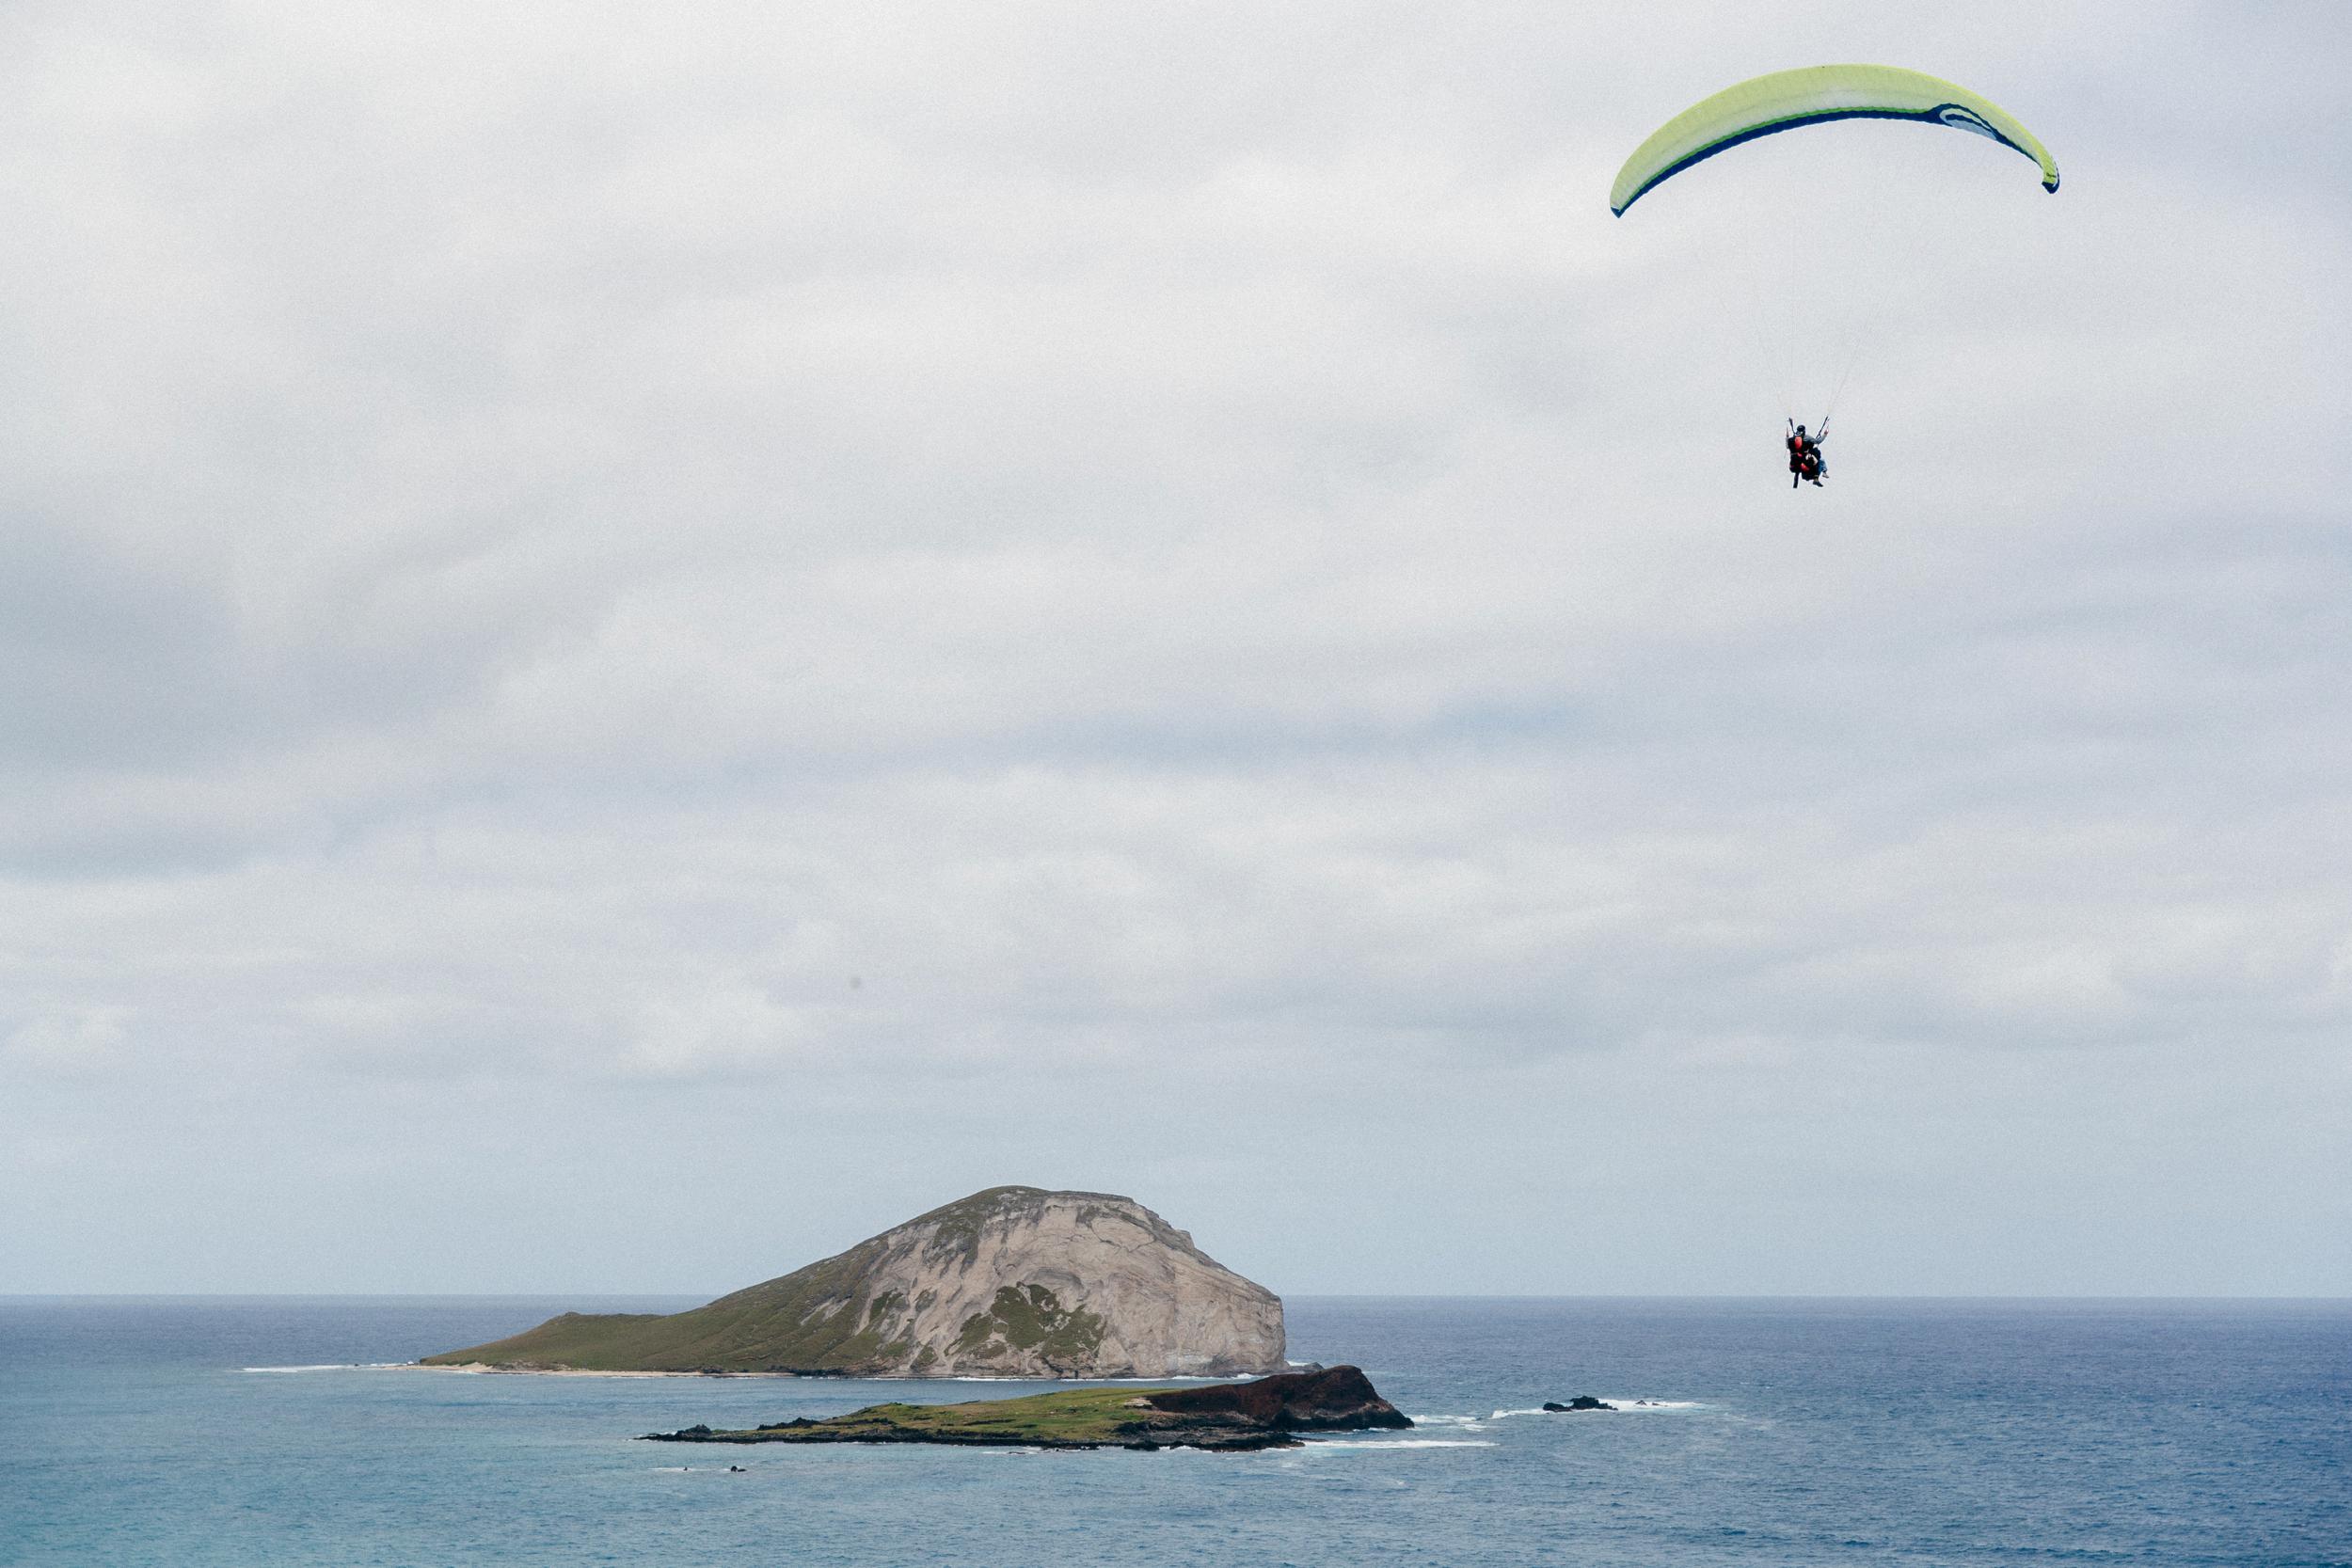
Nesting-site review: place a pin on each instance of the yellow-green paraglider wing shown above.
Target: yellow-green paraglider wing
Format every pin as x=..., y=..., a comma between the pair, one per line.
x=1788, y=99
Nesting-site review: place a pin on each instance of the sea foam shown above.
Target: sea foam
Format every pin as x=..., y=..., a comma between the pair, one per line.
x=1312, y=1443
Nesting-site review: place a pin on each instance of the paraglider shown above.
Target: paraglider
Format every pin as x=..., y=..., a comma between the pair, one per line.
x=1814, y=95
x=1805, y=459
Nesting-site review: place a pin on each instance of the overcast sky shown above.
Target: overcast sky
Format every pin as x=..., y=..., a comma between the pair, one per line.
x=642, y=640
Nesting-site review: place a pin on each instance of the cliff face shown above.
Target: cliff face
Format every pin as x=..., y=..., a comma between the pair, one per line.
x=1010, y=1282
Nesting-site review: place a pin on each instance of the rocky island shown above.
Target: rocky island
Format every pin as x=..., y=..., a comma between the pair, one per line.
x=1230, y=1416
x=1009, y=1282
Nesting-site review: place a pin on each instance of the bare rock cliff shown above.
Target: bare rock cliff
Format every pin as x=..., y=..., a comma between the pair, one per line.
x=1010, y=1282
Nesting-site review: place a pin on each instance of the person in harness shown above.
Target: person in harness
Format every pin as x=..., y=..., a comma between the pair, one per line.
x=1806, y=461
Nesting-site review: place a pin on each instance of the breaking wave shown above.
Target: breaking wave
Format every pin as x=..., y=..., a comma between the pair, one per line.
x=1630, y=1407
x=1311, y=1444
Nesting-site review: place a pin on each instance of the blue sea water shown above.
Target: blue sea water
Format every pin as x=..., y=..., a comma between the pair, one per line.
x=254, y=1431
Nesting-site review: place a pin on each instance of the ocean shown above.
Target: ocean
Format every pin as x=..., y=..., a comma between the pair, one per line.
x=263, y=1431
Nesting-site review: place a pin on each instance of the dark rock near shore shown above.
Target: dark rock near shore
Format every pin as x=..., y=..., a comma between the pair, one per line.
x=1337, y=1398
x=1577, y=1405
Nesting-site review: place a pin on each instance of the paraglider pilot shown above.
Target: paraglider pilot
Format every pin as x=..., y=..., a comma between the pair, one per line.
x=1805, y=456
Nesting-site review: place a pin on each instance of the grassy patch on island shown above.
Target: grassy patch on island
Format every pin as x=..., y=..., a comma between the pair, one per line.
x=1067, y=1417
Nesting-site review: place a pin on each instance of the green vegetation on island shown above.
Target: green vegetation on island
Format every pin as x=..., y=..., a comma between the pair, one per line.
x=1264, y=1414
x=1076, y=1418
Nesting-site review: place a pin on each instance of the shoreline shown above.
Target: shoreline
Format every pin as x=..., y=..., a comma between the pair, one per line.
x=483, y=1369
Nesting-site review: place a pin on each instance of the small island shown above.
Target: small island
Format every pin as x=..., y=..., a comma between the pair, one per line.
x=1228, y=1417
x=1008, y=1282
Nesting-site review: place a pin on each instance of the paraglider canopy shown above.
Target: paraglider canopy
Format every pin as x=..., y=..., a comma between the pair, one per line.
x=1810, y=96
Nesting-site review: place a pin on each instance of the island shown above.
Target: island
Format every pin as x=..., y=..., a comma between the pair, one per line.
x=1008, y=1282
x=1228, y=1417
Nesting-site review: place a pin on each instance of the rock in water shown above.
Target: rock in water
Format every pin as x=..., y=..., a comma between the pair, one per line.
x=1335, y=1399
x=1576, y=1406
x=1010, y=1282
